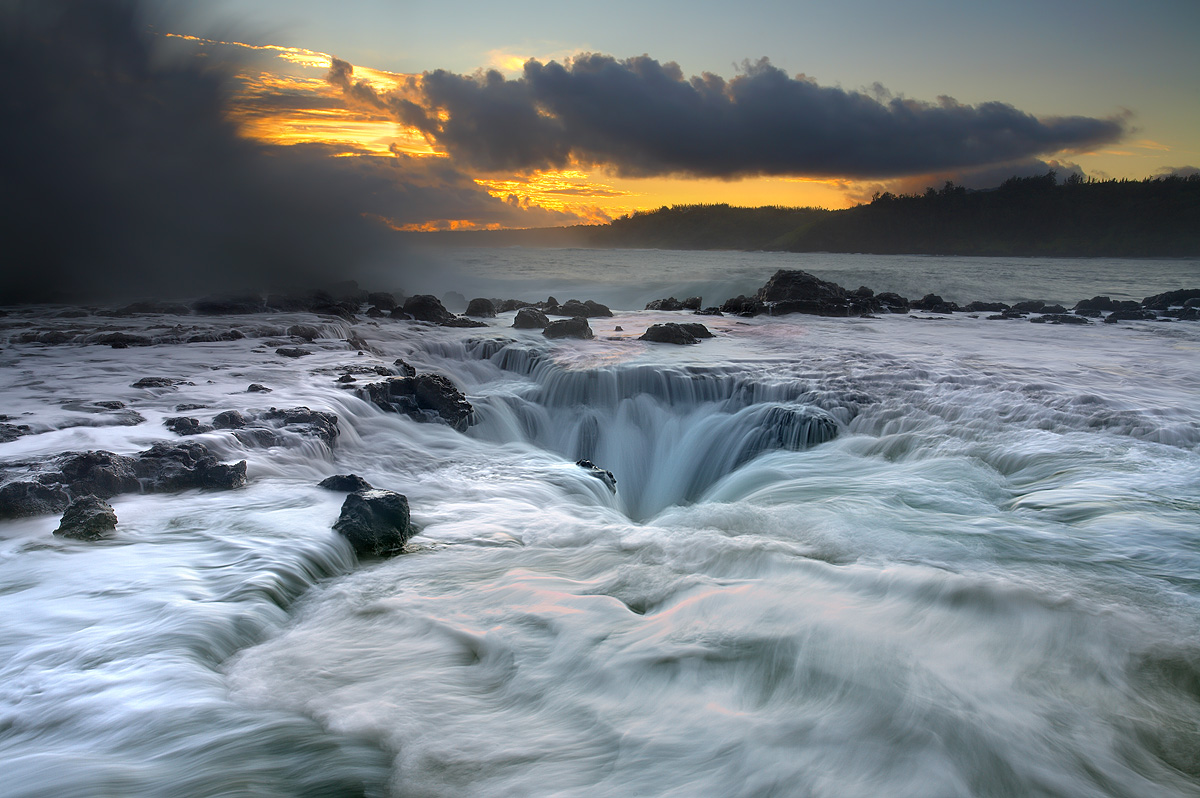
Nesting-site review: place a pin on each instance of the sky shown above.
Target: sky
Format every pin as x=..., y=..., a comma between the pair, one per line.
x=277, y=137
x=1132, y=64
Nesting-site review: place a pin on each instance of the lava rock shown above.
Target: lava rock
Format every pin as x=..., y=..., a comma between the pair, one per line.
x=986, y=307
x=304, y=421
x=305, y=331
x=87, y=518
x=403, y=368
x=1170, y=298
x=599, y=473
x=99, y=473
x=224, y=306
x=345, y=483
x=22, y=499
x=180, y=466
x=185, y=425
x=672, y=333
x=230, y=419
x=426, y=307
x=575, y=327
x=292, y=351
x=376, y=522
x=427, y=397
x=742, y=305
x=528, y=318
x=481, y=308
x=255, y=387
x=798, y=285
x=382, y=300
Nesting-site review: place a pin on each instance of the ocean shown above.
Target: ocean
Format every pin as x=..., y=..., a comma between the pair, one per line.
x=912, y=555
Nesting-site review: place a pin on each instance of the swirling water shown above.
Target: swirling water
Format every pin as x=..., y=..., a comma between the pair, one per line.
x=846, y=557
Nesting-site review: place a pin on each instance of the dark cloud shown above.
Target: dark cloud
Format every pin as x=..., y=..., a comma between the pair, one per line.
x=645, y=118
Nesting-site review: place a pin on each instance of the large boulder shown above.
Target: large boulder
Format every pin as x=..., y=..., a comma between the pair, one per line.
x=1170, y=299
x=426, y=397
x=99, y=473
x=798, y=285
x=426, y=307
x=344, y=483
x=528, y=318
x=376, y=522
x=180, y=466
x=303, y=421
x=670, y=303
x=22, y=499
x=573, y=307
x=672, y=333
x=87, y=518
x=742, y=305
x=481, y=308
x=382, y=300
x=575, y=327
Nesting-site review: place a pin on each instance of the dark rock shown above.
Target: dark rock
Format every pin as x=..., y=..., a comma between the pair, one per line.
x=10, y=432
x=110, y=404
x=428, y=397
x=460, y=321
x=862, y=292
x=798, y=285
x=184, y=425
x=99, y=473
x=230, y=419
x=308, y=422
x=575, y=327
x=382, y=300
x=1170, y=298
x=87, y=518
x=346, y=483
x=374, y=313
x=255, y=387
x=618, y=328
x=426, y=307
x=159, y=382
x=1030, y=306
x=1004, y=317
x=934, y=304
x=481, y=308
x=1130, y=315
x=670, y=303
x=1194, y=302
x=692, y=303
x=892, y=301
x=1095, y=303
x=599, y=473
x=710, y=311
x=574, y=308
x=403, y=368
x=376, y=522
x=530, y=319
x=397, y=313
x=743, y=306
x=120, y=340
x=1190, y=314
x=506, y=305
x=292, y=351
x=305, y=331
x=183, y=408
x=453, y=299
x=1060, y=318
x=223, y=306
x=22, y=499
x=986, y=307
x=1053, y=309
x=1091, y=314
x=672, y=333
x=180, y=466
x=346, y=378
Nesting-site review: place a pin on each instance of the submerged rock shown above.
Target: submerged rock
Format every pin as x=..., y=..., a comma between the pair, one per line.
x=292, y=351
x=575, y=327
x=87, y=518
x=255, y=387
x=347, y=483
x=599, y=473
x=376, y=522
x=304, y=421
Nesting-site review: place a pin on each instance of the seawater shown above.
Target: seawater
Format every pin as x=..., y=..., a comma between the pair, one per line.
x=970, y=567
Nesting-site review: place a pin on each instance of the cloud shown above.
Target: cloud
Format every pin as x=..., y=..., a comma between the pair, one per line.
x=985, y=178
x=645, y=118
x=1178, y=171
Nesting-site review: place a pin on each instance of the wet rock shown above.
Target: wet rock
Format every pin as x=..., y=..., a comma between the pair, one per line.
x=305, y=331
x=1029, y=306
x=1170, y=298
x=710, y=311
x=1130, y=315
x=427, y=397
x=185, y=425
x=382, y=300
x=376, y=522
x=180, y=466
x=672, y=333
x=798, y=285
x=1059, y=318
x=1103, y=303
x=398, y=313
x=934, y=304
x=26, y=498
x=292, y=351
x=111, y=404
x=87, y=518
x=374, y=313
x=403, y=368
x=10, y=432
x=345, y=483
x=481, y=308
x=98, y=473
x=574, y=308
x=506, y=305
x=599, y=473
x=255, y=387
x=347, y=378
x=742, y=305
x=670, y=303
x=120, y=340
x=1056, y=309
x=304, y=421
x=692, y=303
x=183, y=408
x=223, y=306
x=229, y=419
x=986, y=307
x=426, y=307
x=528, y=318
x=575, y=327
x=892, y=302
x=459, y=321
x=159, y=382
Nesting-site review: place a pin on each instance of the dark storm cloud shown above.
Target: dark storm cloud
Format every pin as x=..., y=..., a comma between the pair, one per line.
x=645, y=118
x=122, y=176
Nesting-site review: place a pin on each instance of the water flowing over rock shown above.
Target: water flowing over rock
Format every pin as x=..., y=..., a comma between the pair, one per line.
x=426, y=307
x=87, y=518
x=672, y=333
x=186, y=425
x=530, y=319
x=426, y=397
x=576, y=327
x=344, y=483
x=599, y=473
x=376, y=522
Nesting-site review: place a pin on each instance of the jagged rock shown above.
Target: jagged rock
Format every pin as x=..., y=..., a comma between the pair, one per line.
x=692, y=303
x=459, y=321
x=292, y=351
x=892, y=301
x=230, y=419
x=528, y=318
x=10, y=432
x=574, y=327
x=223, y=306
x=255, y=387
x=1130, y=315
x=1029, y=306
x=798, y=285
x=347, y=378
x=305, y=331
x=159, y=382
x=670, y=303
x=599, y=473
x=87, y=518
x=120, y=340
x=742, y=305
x=309, y=422
x=346, y=483
x=1056, y=309
x=426, y=307
x=934, y=304
x=1060, y=318
x=481, y=308
x=403, y=368
x=185, y=425
x=710, y=311
x=179, y=466
x=672, y=333
x=376, y=522
x=99, y=473
x=1170, y=298
x=587, y=309
x=21, y=499
x=986, y=307
x=427, y=397
x=382, y=300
